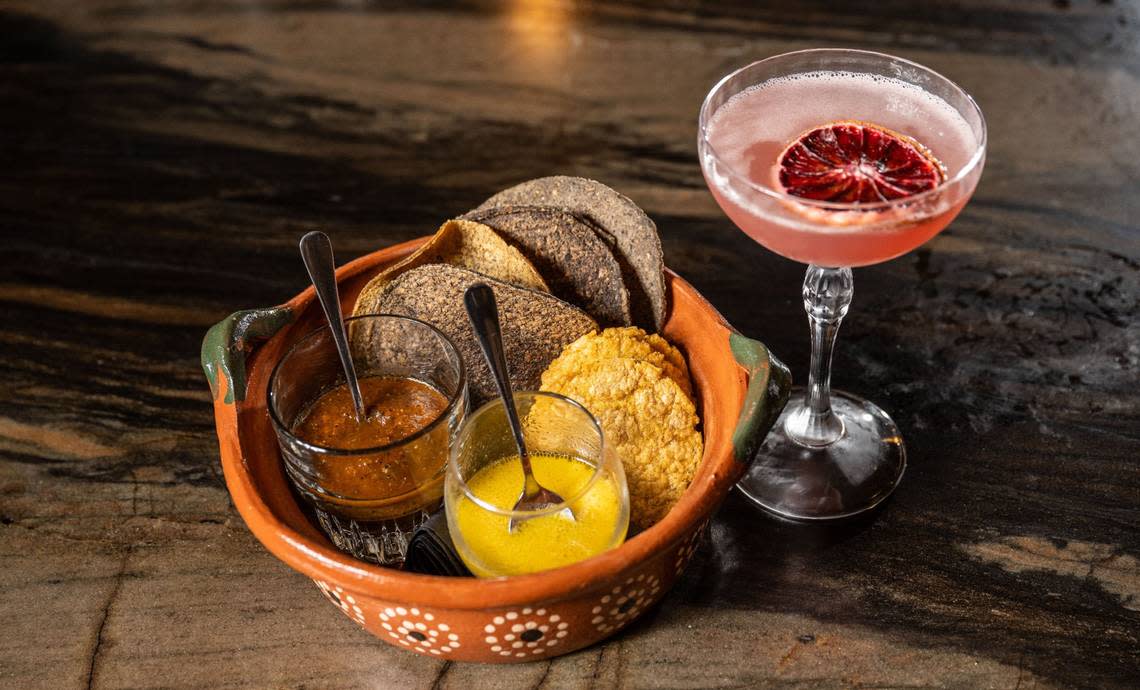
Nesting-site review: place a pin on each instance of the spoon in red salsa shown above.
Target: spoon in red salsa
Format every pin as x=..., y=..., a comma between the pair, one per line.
x=317, y=253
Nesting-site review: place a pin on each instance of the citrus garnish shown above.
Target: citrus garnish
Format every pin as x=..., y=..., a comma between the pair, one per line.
x=857, y=162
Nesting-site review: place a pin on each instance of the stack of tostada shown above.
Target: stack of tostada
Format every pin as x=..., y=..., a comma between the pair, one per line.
x=578, y=275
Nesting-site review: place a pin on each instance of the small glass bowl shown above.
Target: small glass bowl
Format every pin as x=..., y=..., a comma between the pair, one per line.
x=369, y=524
x=553, y=425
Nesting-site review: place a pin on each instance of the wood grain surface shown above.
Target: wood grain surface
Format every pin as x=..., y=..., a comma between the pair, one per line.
x=160, y=161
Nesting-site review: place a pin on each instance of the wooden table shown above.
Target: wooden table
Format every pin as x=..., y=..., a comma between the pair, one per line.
x=161, y=161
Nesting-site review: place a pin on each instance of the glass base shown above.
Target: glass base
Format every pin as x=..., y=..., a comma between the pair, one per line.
x=838, y=480
x=383, y=542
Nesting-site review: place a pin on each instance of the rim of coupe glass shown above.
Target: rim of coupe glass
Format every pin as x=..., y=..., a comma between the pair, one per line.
x=444, y=414
x=975, y=159
x=453, y=468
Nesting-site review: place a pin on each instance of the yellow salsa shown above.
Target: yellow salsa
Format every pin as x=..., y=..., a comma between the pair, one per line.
x=490, y=549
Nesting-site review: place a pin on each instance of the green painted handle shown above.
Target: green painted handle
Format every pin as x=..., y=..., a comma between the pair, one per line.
x=227, y=342
x=769, y=384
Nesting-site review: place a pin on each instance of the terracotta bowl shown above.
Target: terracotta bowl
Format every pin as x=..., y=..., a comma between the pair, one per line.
x=741, y=390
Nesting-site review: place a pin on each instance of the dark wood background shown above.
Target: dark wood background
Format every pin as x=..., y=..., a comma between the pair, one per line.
x=160, y=161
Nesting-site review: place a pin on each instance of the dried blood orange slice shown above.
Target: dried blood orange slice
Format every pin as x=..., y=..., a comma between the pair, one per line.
x=857, y=162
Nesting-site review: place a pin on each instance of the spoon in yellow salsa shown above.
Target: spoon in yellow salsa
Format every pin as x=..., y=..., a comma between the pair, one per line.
x=548, y=540
x=483, y=313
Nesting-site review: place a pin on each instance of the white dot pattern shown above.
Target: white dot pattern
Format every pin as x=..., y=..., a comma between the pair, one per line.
x=625, y=602
x=689, y=548
x=418, y=630
x=518, y=633
x=345, y=602
x=525, y=632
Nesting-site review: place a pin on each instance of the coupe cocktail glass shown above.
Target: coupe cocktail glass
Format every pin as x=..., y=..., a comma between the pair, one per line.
x=833, y=454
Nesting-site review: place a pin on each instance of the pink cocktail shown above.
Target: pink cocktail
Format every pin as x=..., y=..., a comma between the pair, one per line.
x=837, y=159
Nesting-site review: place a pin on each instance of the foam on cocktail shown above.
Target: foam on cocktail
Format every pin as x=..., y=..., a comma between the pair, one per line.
x=747, y=134
x=753, y=127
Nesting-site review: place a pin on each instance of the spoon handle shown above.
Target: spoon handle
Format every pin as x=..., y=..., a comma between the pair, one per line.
x=317, y=253
x=483, y=312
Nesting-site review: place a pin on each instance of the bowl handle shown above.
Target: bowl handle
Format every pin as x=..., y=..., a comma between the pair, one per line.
x=226, y=345
x=769, y=384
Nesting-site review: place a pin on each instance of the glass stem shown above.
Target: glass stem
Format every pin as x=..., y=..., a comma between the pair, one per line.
x=827, y=295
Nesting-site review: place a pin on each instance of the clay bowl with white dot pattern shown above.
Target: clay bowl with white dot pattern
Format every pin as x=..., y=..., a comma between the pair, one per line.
x=740, y=389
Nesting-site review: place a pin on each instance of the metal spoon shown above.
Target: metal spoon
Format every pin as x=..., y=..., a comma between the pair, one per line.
x=317, y=253
x=484, y=316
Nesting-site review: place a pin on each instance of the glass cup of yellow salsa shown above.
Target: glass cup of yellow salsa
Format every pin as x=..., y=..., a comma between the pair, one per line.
x=371, y=484
x=569, y=456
